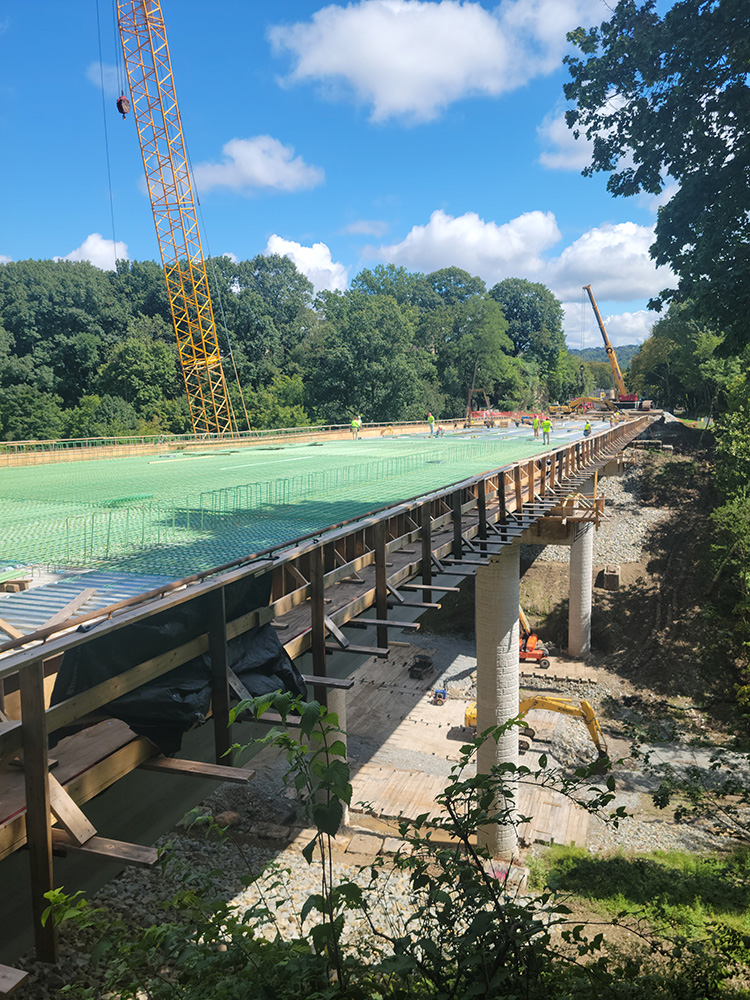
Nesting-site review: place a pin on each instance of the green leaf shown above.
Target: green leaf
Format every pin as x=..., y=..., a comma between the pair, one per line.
x=314, y=902
x=311, y=713
x=308, y=851
x=327, y=816
x=337, y=749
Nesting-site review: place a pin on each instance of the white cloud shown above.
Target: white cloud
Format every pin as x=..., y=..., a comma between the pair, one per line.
x=582, y=330
x=561, y=150
x=4, y=259
x=485, y=248
x=366, y=227
x=613, y=259
x=259, y=162
x=98, y=73
x=232, y=256
x=314, y=261
x=99, y=251
x=411, y=58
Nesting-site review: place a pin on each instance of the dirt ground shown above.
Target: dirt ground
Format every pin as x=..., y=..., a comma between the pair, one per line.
x=659, y=643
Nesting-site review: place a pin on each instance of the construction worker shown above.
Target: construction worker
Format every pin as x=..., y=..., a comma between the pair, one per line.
x=546, y=430
x=586, y=429
x=535, y=423
x=431, y=423
x=355, y=425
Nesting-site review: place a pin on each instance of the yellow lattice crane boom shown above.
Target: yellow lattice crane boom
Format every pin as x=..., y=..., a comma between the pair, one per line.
x=157, y=118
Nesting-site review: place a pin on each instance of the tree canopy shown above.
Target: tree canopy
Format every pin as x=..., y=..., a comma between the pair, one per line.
x=665, y=99
x=93, y=352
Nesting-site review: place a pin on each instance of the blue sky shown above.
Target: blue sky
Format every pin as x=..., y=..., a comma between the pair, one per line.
x=427, y=134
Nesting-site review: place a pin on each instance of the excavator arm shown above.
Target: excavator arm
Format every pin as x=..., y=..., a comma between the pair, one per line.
x=550, y=703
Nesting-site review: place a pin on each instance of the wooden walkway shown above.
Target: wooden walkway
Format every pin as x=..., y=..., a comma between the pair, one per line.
x=394, y=713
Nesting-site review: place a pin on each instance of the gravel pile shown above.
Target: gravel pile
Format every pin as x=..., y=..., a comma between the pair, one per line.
x=622, y=534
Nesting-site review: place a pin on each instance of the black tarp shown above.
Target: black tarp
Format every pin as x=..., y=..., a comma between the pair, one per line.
x=166, y=707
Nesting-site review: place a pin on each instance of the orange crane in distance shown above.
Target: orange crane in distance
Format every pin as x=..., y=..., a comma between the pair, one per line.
x=623, y=395
x=157, y=117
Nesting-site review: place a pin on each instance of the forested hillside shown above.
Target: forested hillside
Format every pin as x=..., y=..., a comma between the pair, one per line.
x=86, y=352
x=625, y=354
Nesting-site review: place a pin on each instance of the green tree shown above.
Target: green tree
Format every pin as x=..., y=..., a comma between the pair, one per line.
x=667, y=97
x=26, y=414
x=534, y=317
x=142, y=285
x=281, y=404
x=101, y=416
x=406, y=287
x=473, y=348
x=364, y=359
x=677, y=364
x=455, y=285
x=140, y=371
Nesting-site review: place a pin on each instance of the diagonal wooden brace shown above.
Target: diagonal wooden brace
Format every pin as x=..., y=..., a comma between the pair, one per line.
x=68, y=814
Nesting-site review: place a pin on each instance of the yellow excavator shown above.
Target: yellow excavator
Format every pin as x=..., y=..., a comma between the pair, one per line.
x=551, y=703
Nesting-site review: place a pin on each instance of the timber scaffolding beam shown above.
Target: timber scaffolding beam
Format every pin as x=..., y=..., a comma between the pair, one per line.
x=321, y=585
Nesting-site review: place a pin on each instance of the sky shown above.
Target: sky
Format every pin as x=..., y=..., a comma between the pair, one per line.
x=423, y=134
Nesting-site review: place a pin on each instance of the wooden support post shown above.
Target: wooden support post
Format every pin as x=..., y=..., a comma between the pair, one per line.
x=518, y=486
x=381, y=583
x=217, y=649
x=552, y=471
x=317, y=622
x=482, y=513
x=530, y=481
x=425, y=531
x=38, y=829
x=458, y=538
x=542, y=476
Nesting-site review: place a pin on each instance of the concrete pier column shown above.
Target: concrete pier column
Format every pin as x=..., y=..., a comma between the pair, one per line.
x=496, y=602
x=581, y=586
x=337, y=704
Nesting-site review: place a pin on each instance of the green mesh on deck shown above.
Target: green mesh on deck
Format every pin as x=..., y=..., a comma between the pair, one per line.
x=176, y=514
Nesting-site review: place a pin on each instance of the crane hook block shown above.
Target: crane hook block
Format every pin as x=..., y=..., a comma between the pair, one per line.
x=123, y=105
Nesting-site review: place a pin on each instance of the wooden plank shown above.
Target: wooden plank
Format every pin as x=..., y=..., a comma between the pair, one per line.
x=417, y=604
x=345, y=683
x=432, y=586
x=219, y=657
x=199, y=769
x=363, y=650
x=11, y=979
x=37, y=786
x=381, y=582
x=104, y=847
x=390, y=622
x=336, y=632
x=68, y=813
x=67, y=612
x=10, y=630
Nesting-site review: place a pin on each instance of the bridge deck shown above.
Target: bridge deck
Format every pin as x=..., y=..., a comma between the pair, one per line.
x=318, y=584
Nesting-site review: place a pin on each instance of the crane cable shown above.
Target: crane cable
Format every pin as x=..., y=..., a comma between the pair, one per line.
x=106, y=134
